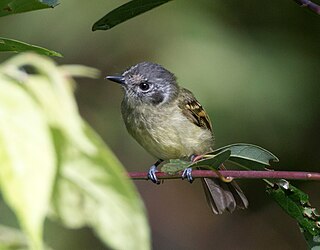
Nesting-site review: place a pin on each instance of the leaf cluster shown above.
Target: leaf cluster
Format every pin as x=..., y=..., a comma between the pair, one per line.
x=245, y=155
x=10, y=7
x=54, y=165
x=296, y=204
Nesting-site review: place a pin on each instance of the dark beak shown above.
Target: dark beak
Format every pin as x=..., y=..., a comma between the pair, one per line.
x=118, y=79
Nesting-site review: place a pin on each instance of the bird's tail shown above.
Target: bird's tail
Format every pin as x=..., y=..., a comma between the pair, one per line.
x=222, y=196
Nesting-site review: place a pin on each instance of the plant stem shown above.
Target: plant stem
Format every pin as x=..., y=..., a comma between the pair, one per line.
x=310, y=5
x=236, y=174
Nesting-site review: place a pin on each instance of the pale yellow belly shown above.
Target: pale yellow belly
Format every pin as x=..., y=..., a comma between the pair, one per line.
x=170, y=136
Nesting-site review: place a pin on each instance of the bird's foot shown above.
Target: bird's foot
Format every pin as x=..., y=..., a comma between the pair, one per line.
x=187, y=174
x=152, y=174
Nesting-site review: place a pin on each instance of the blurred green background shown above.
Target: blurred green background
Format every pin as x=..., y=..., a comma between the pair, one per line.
x=253, y=65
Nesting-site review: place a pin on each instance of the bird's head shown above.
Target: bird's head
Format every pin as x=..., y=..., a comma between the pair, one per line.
x=147, y=83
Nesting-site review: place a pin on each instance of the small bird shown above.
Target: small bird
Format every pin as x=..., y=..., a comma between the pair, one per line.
x=170, y=123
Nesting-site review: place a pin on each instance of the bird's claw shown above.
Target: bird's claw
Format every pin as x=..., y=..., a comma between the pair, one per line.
x=187, y=174
x=152, y=175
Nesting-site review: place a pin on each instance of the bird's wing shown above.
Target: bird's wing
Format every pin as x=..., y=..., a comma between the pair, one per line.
x=193, y=110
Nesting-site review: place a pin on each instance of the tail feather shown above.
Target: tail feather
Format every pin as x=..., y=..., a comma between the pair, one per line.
x=222, y=196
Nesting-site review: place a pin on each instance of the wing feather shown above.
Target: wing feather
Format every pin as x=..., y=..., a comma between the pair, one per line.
x=193, y=110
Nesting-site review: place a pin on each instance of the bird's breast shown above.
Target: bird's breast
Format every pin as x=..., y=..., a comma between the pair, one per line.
x=165, y=132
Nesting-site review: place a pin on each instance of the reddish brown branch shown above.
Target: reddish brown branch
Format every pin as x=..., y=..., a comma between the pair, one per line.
x=310, y=5
x=236, y=174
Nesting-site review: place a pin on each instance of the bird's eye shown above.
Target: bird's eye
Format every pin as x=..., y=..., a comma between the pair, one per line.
x=144, y=86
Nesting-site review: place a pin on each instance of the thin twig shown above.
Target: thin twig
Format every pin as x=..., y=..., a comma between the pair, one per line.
x=236, y=174
x=310, y=5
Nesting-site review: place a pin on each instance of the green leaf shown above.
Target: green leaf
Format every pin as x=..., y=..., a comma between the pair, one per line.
x=313, y=242
x=213, y=162
x=174, y=166
x=125, y=12
x=54, y=94
x=296, y=204
x=12, y=239
x=9, y=7
x=210, y=161
x=10, y=45
x=93, y=190
x=91, y=187
x=26, y=158
x=248, y=155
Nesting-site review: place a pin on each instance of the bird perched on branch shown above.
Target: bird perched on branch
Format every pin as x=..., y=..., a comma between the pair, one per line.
x=170, y=123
